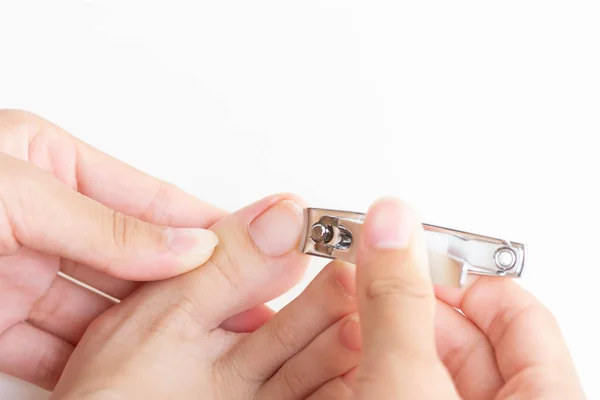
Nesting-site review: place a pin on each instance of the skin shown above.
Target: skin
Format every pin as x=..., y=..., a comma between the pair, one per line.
x=205, y=331
x=418, y=347
x=170, y=335
x=67, y=207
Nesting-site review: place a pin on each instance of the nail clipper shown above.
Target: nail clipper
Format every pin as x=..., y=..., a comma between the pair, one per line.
x=453, y=255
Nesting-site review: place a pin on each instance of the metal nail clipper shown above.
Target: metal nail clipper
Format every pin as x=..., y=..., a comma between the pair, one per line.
x=452, y=254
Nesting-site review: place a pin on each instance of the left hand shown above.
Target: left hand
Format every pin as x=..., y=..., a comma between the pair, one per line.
x=65, y=206
x=207, y=334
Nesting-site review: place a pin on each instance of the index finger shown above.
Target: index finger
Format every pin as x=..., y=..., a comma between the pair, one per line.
x=523, y=332
x=99, y=176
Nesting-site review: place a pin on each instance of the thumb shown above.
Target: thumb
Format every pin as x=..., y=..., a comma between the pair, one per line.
x=397, y=308
x=39, y=212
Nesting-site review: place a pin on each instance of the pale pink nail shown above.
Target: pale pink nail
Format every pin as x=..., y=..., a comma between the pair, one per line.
x=389, y=225
x=277, y=231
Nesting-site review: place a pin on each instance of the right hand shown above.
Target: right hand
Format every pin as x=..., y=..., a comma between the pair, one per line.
x=65, y=206
x=506, y=345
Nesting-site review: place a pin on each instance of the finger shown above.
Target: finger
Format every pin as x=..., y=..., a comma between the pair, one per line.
x=512, y=319
x=24, y=277
x=67, y=309
x=131, y=192
x=467, y=354
x=396, y=298
x=32, y=355
x=327, y=299
x=256, y=261
x=397, y=307
x=332, y=354
x=97, y=175
x=41, y=213
x=31, y=290
x=249, y=321
x=339, y=388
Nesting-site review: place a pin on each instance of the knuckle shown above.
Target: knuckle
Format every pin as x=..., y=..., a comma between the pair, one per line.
x=124, y=230
x=16, y=114
x=19, y=123
x=293, y=380
x=286, y=335
x=505, y=321
x=228, y=368
x=31, y=138
x=177, y=320
x=16, y=117
x=157, y=208
x=396, y=287
x=165, y=316
x=230, y=267
x=456, y=359
x=46, y=307
x=226, y=272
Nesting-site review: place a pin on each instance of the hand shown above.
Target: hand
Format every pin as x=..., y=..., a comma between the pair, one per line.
x=506, y=346
x=177, y=339
x=66, y=206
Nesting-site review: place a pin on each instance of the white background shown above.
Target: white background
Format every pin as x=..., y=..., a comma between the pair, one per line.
x=485, y=116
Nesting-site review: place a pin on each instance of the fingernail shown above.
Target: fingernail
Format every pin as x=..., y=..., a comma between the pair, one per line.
x=389, y=225
x=191, y=241
x=277, y=231
x=350, y=333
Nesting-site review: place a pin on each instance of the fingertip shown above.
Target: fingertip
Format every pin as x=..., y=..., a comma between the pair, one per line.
x=191, y=246
x=294, y=198
x=350, y=334
x=391, y=224
x=184, y=250
x=191, y=241
x=277, y=230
